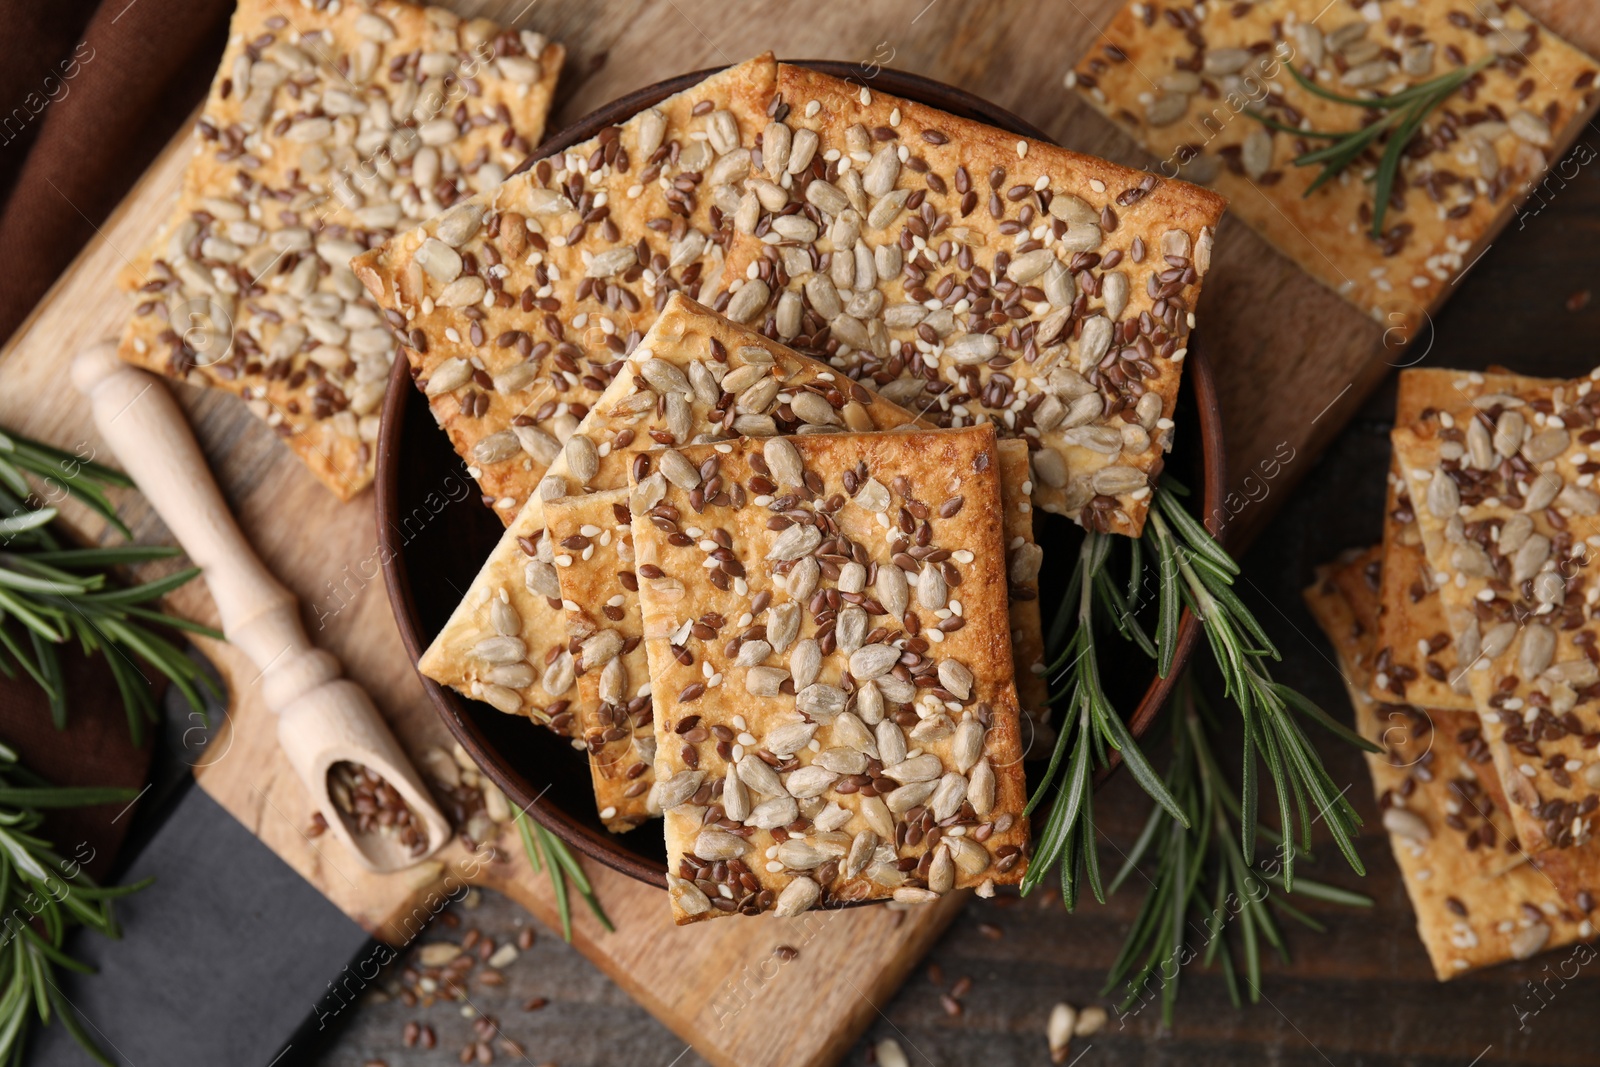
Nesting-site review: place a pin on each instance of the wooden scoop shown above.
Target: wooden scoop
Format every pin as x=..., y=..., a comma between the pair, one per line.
x=322, y=719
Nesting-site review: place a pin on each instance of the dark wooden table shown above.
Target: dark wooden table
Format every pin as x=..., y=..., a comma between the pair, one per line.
x=1362, y=993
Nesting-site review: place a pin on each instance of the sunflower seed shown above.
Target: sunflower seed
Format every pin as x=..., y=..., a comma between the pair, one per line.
x=1407, y=824
x=804, y=662
x=764, y=681
x=676, y=790
x=583, y=458
x=932, y=590
x=981, y=788
x=851, y=628
x=909, y=796
x=758, y=776
x=794, y=542
x=559, y=675
x=712, y=844
x=798, y=896
x=783, y=624
x=1538, y=649
x=448, y=376
x=870, y=661
x=821, y=701
x=924, y=768
x=790, y=738
x=687, y=896
x=810, y=781
x=972, y=348
x=496, y=448
x=770, y=814
x=735, y=797
x=842, y=760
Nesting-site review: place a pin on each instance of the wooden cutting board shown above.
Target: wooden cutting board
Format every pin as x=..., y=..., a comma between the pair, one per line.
x=1282, y=338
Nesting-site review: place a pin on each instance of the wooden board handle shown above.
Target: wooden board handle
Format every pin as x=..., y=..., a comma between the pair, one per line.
x=323, y=719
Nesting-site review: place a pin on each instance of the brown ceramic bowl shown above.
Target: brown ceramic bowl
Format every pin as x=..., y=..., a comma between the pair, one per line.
x=428, y=565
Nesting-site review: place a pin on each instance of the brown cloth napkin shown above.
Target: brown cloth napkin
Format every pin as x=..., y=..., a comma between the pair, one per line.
x=94, y=749
x=89, y=94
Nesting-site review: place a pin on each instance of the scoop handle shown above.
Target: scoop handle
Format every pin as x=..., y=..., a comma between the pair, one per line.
x=322, y=718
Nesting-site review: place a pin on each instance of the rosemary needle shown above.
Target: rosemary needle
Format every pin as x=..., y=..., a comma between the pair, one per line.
x=1204, y=882
x=548, y=853
x=43, y=896
x=51, y=594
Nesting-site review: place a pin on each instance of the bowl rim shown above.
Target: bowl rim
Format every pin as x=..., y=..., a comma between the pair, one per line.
x=598, y=844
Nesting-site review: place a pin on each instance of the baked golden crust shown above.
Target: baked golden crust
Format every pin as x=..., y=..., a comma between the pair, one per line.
x=1505, y=511
x=512, y=656
x=1023, y=557
x=592, y=539
x=310, y=150
x=631, y=423
x=519, y=316
x=1415, y=658
x=1478, y=901
x=976, y=276
x=798, y=671
x=1181, y=85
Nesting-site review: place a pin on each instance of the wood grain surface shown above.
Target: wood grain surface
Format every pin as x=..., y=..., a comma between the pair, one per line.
x=1293, y=363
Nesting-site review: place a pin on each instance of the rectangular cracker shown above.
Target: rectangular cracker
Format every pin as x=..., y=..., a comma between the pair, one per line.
x=592, y=538
x=519, y=307
x=1181, y=83
x=1415, y=658
x=1526, y=618
x=918, y=677
x=325, y=133
x=976, y=276
x=1477, y=900
x=591, y=532
x=628, y=425
x=1023, y=559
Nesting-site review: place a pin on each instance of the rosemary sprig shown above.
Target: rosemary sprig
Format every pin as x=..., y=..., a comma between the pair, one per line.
x=1242, y=649
x=51, y=594
x=1203, y=883
x=1191, y=570
x=1406, y=112
x=1090, y=725
x=42, y=897
x=546, y=851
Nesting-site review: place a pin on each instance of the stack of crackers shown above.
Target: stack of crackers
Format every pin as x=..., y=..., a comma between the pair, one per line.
x=1188, y=79
x=767, y=383
x=1468, y=644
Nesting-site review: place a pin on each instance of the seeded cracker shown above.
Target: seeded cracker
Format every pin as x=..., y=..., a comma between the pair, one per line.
x=822, y=739
x=593, y=544
x=975, y=276
x=693, y=372
x=1416, y=657
x=1505, y=510
x=1478, y=902
x=519, y=306
x=1180, y=78
x=326, y=132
